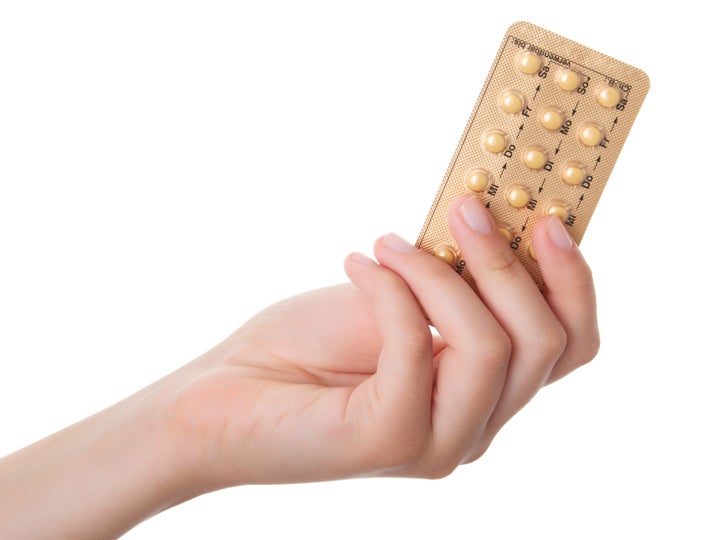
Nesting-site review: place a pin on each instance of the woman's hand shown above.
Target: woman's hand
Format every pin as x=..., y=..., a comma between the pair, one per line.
x=350, y=381
x=340, y=382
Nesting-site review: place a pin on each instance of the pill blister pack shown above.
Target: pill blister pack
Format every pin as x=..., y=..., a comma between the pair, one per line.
x=543, y=137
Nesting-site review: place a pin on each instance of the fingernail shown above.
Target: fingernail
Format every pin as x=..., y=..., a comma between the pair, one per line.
x=476, y=216
x=362, y=259
x=394, y=242
x=559, y=234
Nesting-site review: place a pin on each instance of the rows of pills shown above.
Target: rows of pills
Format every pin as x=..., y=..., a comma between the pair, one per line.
x=543, y=138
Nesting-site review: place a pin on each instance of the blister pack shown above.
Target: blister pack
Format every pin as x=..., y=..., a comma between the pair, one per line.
x=543, y=137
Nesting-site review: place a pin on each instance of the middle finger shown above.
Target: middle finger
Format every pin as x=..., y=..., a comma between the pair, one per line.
x=513, y=297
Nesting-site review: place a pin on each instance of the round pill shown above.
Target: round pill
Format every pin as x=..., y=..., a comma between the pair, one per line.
x=505, y=231
x=590, y=134
x=477, y=179
x=551, y=118
x=495, y=141
x=531, y=252
x=529, y=63
x=517, y=196
x=445, y=253
x=607, y=96
x=534, y=157
x=572, y=173
x=512, y=102
x=567, y=80
x=559, y=209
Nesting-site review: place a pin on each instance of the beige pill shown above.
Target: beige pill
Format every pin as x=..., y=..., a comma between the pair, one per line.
x=559, y=209
x=551, y=118
x=517, y=196
x=477, y=179
x=512, y=102
x=572, y=173
x=531, y=252
x=505, y=231
x=529, y=63
x=495, y=141
x=445, y=253
x=534, y=157
x=607, y=96
x=567, y=80
x=590, y=134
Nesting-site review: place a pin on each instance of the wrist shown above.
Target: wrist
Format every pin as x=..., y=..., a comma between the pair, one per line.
x=97, y=478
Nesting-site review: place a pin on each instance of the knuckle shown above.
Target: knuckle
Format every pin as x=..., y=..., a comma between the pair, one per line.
x=591, y=347
x=440, y=469
x=555, y=341
x=494, y=350
x=550, y=342
x=479, y=449
x=417, y=340
x=503, y=260
x=399, y=450
x=499, y=346
x=582, y=281
x=478, y=452
x=594, y=346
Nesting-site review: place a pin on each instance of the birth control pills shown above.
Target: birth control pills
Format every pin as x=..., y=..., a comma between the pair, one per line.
x=542, y=139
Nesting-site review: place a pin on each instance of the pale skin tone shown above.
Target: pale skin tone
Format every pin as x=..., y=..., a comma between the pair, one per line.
x=340, y=382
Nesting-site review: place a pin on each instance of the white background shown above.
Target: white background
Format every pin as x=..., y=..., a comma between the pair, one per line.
x=168, y=168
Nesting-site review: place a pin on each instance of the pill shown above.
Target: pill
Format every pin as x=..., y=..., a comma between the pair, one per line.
x=517, y=196
x=538, y=142
x=531, y=252
x=529, y=63
x=567, y=80
x=505, y=231
x=477, y=179
x=573, y=173
x=590, y=134
x=495, y=141
x=534, y=157
x=512, y=102
x=445, y=253
x=559, y=209
x=607, y=96
x=551, y=118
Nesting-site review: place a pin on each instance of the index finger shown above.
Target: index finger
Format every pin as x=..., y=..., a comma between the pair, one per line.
x=472, y=368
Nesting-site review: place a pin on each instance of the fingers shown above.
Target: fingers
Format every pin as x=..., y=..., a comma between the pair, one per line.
x=538, y=337
x=472, y=367
x=394, y=406
x=570, y=293
x=500, y=347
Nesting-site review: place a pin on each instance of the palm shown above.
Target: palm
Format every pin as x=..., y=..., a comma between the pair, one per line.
x=288, y=385
x=332, y=335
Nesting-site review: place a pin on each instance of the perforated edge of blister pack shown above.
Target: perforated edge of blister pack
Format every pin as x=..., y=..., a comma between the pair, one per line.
x=543, y=137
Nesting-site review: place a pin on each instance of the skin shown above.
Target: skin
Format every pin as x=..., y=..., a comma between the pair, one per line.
x=340, y=382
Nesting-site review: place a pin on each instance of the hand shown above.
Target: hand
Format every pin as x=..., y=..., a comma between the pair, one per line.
x=349, y=380
x=340, y=382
